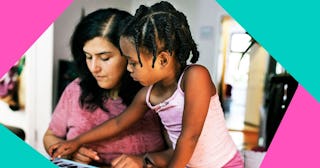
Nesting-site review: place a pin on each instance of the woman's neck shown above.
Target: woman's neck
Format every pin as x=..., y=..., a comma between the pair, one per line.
x=114, y=94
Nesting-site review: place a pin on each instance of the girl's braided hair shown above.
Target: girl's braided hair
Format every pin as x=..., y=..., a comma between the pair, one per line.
x=162, y=28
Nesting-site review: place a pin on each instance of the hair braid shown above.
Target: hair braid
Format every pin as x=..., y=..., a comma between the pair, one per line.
x=193, y=45
x=151, y=38
x=183, y=51
x=137, y=41
x=170, y=28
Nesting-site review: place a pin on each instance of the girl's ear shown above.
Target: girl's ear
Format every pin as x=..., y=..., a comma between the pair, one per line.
x=163, y=58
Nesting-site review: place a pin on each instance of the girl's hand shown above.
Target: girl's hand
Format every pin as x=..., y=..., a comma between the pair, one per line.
x=63, y=148
x=85, y=155
x=128, y=161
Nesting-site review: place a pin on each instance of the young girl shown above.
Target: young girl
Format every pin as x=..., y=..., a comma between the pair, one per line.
x=157, y=43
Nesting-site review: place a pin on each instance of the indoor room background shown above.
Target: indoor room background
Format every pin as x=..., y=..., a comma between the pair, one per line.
x=240, y=68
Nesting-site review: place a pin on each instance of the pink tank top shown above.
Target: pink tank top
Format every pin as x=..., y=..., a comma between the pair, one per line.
x=215, y=146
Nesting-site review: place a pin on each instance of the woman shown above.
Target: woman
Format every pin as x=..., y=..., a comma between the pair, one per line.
x=103, y=90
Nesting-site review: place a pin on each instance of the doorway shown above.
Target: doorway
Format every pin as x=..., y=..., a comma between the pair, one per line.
x=233, y=88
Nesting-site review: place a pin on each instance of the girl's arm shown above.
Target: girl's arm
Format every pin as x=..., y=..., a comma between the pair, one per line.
x=106, y=130
x=198, y=89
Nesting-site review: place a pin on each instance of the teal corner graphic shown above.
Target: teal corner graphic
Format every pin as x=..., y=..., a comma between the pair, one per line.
x=15, y=153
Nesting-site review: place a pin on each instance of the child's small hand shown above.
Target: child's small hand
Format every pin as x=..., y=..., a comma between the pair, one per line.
x=63, y=148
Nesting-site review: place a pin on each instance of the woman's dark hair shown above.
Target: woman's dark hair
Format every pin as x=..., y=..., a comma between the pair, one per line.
x=106, y=23
x=162, y=28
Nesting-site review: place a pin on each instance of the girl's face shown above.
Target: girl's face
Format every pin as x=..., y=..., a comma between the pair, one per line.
x=146, y=75
x=104, y=62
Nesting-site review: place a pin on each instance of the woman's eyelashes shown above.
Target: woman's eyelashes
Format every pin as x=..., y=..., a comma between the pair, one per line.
x=88, y=56
x=102, y=57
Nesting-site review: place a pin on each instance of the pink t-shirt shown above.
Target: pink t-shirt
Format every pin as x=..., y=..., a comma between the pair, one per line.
x=215, y=146
x=69, y=120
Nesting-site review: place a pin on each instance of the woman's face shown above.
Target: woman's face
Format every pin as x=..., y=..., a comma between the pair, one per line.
x=104, y=62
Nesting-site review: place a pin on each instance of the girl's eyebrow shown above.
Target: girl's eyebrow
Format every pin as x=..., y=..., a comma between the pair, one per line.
x=128, y=57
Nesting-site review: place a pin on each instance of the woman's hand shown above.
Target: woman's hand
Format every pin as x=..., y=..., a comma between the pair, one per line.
x=63, y=148
x=85, y=155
